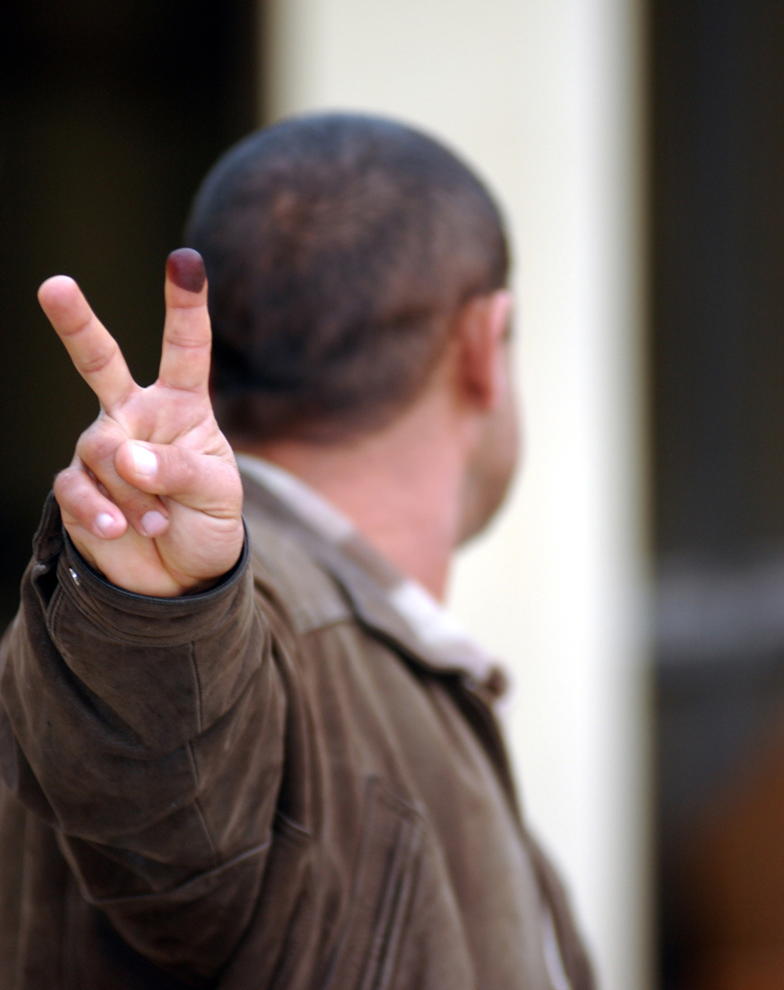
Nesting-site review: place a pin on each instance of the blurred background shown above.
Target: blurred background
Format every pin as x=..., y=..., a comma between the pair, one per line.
x=634, y=584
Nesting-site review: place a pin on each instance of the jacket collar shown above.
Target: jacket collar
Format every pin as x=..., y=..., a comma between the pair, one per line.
x=392, y=605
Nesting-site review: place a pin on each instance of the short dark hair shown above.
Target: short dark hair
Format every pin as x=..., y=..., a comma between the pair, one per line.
x=337, y=247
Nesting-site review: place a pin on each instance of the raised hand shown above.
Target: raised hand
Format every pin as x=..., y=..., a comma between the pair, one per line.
x=152, y=498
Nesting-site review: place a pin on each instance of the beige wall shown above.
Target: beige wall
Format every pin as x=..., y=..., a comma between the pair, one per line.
x=542, y=97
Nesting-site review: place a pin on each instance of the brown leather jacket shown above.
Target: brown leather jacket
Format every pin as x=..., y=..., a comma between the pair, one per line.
x=267, y=785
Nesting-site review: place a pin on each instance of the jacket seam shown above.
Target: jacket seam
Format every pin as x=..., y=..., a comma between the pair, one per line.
x=339, y=620
x=198, y=807
x=192, y=757
x=194, y=881
x=197, y=688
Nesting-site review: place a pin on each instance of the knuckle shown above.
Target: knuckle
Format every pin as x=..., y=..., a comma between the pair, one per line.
x=72, y=489
x=186, y=337
x=181, y=471
x=98, y=442
x=65, y=480
x=100, y=357
x=133, y=500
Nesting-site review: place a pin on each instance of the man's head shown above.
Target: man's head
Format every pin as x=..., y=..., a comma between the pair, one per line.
x=339, y=248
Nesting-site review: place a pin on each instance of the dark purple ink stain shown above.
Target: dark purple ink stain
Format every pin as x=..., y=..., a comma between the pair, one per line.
x=186, y=269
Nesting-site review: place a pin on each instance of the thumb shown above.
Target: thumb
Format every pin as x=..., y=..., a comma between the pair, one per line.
x=207, y=482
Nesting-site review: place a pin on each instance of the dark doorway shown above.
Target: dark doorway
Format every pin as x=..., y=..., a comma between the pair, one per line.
x=717, y=359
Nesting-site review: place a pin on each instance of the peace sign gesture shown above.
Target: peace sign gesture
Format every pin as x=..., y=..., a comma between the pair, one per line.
x=152, y=498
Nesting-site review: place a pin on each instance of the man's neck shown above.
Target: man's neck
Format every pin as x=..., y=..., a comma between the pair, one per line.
x=400, y=487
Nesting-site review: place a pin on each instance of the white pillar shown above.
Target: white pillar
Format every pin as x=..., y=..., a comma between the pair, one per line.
x=542, y=96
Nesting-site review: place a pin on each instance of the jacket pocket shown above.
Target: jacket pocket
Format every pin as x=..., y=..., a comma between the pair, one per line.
x=385, y=880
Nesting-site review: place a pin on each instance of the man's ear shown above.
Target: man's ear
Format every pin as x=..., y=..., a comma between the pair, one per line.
x=482, y=328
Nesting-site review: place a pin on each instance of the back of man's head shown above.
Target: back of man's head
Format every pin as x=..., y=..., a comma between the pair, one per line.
x=338, y=247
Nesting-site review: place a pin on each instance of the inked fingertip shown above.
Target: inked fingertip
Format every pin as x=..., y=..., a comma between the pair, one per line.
x=185, y=268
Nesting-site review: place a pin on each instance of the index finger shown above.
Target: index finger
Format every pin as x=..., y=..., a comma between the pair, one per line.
x=185, y=355
x=94, y=352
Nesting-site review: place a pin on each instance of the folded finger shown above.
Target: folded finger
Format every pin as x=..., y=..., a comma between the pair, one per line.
x=83, y=504
x=205, y=482
x=93, y=350
x=96, y=450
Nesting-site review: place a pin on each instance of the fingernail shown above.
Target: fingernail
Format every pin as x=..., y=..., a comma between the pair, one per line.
x=186, y=269
x=153, y=523
x=144, y=461
x=104, y=523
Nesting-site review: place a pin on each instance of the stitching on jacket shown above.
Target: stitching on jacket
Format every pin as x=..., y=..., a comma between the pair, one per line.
x=183, y=888
x=192, y=756
x=197, y=689
x=198, y=807
x=53, y=611
x=369, y=964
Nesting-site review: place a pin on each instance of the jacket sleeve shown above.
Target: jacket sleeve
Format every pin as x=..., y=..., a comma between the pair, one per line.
x=149, y=734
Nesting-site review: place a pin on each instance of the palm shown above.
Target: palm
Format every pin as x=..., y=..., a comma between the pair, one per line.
x=180, y=528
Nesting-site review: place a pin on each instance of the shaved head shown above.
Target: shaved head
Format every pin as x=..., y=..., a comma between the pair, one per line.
x=338, y=247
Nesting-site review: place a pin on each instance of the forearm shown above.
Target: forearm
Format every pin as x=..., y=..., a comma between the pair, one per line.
x=149, y=734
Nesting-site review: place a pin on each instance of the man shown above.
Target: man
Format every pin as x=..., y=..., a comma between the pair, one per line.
x=268, y=760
